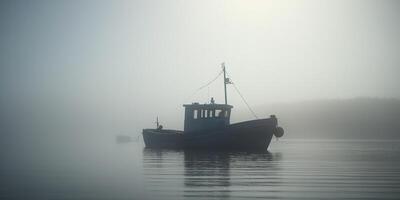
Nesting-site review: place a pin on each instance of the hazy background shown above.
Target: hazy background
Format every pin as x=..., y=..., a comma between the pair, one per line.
x=110, y=67
x=74, y=74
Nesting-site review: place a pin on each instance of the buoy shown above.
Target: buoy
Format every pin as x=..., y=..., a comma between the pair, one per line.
x=278, y=131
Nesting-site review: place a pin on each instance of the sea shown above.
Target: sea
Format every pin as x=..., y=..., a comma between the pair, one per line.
x=290, y=169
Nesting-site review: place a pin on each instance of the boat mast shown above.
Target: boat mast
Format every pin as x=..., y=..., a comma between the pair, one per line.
x=223, y=69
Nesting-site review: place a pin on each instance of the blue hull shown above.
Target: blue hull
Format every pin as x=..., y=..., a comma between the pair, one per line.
x=254, y=134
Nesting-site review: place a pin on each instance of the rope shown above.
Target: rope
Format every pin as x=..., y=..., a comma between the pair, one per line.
x=244, y=100
x=234, y=86
x=202, y=87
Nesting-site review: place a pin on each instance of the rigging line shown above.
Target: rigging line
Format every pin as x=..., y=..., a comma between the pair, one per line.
x=202, y=87
x=241, y=96
x=244, y=100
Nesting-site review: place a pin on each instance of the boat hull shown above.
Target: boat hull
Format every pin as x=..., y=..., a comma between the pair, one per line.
x=254, y=134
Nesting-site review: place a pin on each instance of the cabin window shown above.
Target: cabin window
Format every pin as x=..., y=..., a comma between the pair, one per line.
x=220, y=113
x=194, y=114
x=216, y=113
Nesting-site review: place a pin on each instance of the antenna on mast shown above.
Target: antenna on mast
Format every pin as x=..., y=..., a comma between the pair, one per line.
x=226, y=81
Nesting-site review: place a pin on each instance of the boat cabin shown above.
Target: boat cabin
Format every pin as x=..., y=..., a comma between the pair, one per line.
x=199, y=117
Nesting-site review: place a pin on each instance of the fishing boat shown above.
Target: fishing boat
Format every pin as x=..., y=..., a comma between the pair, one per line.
x=207, y=126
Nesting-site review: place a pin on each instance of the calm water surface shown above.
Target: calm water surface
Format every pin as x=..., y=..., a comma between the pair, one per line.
x=291, y=169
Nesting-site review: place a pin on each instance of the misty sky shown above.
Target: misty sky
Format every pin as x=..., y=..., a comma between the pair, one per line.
x=148, y=57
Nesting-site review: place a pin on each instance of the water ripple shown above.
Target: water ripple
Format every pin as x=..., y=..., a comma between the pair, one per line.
x=284, y=173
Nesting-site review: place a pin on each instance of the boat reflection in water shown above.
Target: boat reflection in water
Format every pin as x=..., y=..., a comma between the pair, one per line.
x=202, y=174
x=207, y=174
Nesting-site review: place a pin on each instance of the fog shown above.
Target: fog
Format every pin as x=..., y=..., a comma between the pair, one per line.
x=111, y=67
x=75, y=74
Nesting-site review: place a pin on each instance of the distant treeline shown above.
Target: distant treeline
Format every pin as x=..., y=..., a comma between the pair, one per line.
x=359, y=118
